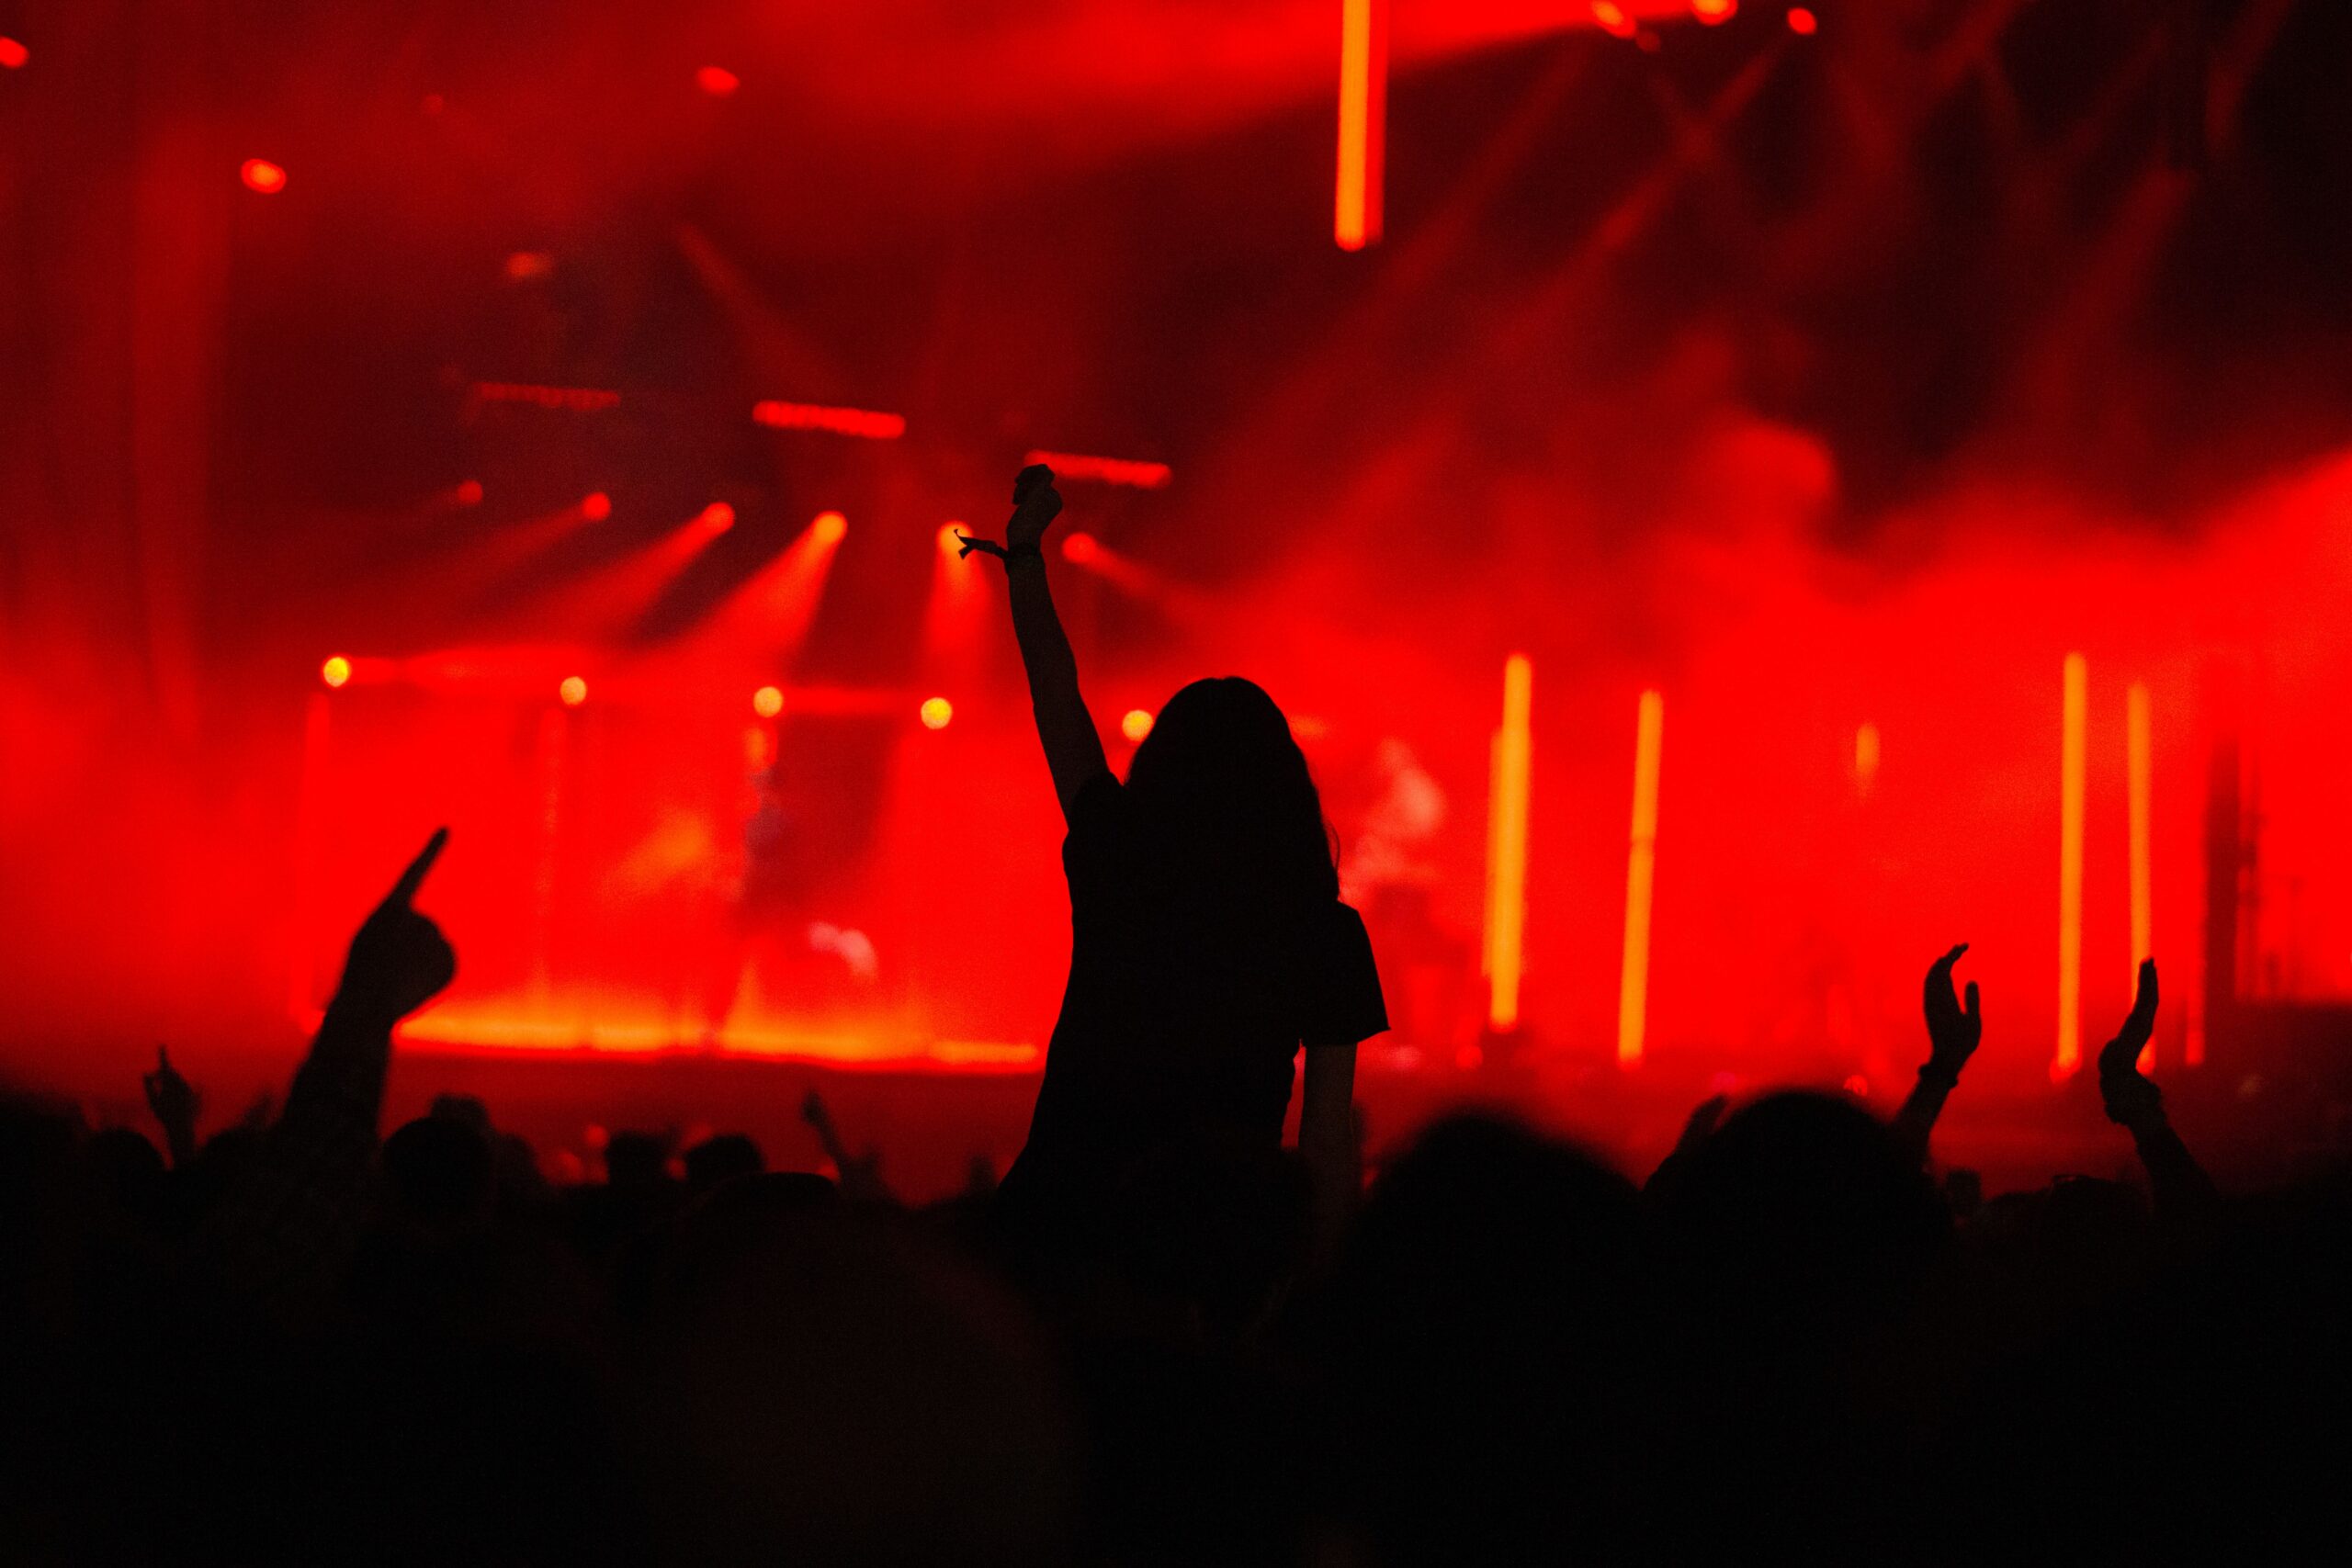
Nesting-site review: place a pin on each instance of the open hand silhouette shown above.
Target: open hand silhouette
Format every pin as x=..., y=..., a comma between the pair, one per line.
x=2128, y=1094
x=1953, y=1031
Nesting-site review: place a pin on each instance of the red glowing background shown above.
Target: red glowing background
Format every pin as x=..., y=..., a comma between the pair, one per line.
x=549, y=422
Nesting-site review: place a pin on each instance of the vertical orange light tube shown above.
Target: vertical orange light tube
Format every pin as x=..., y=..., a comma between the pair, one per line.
x=1506, y=847
x=1363, y=112
x=2140, y=762
x=1641, y=869
x=2075, y=703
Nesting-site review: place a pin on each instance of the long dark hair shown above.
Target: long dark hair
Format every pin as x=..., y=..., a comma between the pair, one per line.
x=1227, y=790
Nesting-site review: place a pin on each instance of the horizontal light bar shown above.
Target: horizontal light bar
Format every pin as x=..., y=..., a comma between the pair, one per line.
x=1108, y=470
x=865, y=422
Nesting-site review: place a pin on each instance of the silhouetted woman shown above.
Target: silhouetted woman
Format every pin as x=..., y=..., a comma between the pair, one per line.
x=1208, y=941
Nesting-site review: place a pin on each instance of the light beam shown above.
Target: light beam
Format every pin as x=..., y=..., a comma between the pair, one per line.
x=1506, y=848
x=1641, y=870
x=2075, y=704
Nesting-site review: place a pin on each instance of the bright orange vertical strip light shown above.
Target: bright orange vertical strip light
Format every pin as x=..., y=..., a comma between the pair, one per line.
x=1640, y=871
x=2140, y=761
x=1363, y=112
x=2075, y=703
x=1506, y=847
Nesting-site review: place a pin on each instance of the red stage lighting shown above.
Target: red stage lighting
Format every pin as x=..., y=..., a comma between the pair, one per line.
x=1640, y=874
x=574, y=691
x=1803, y=22
x=13, y=54
x=595, y=506
x=1712, y=12
x=523, y=265
x=936, y=712
x=767, y=702
x=469, y=493
x=779, y=415
x=261, y=174
x=1080, y=547
x=948, y=543
x=335, y=672
x=829, y=528
x=717, y=518
x=1610, y=18
x=1363, y=72
x=2139, y=767
x=2073, y=704
x=1506, y=923
x=1137, y=724
x=1110, y=470
x=716, y=80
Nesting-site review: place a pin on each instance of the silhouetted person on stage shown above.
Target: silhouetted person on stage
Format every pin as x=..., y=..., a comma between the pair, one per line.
x=1208, y=940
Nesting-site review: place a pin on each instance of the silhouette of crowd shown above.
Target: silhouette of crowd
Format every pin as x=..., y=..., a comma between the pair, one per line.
x=1164, y=1337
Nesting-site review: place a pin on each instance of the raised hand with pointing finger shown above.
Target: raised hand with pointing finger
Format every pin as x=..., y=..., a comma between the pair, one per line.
x=399, y=959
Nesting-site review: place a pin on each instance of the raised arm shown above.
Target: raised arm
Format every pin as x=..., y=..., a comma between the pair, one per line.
x=1953, y=1032
x=174, y=1101
x=2179, y=1183
x=281, y=1236
x=1073, y=747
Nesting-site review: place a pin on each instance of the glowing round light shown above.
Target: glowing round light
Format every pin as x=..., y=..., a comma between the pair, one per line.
x=13, y=54
x=718, y=517
x=469, y=492
x=1857, y=1086
x=717, y=80
x=1080, y=547
x=1714, y=11
x=1137, y=724
x=335, y=672
x=829, y=527
x=595, y=506
x=574, y=691
x=1803, y=22
x=261, y=174
x=1610, y=18
x=936, y=712
x=948, y=541
x=522, y=266
x=767, y=702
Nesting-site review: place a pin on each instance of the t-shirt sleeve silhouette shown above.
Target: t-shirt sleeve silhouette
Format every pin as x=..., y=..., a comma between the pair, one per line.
x=1343, y=989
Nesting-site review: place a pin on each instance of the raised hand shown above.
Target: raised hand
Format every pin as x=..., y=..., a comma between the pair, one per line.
x=171, y=1096
x=1035, y=504
x=399, y=959
x=1701, y=1124
x=2128, y=1095
x=174, y=1101
x=1953, y=1030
